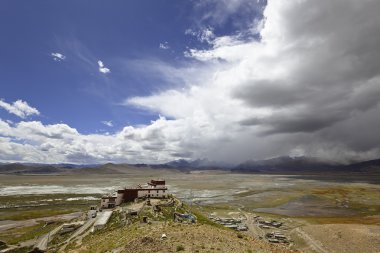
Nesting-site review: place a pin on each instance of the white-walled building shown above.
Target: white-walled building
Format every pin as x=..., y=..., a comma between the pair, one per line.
x=153, y=189
x=108, y=201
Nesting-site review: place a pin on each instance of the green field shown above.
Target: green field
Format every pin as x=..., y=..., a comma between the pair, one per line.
x=25, y=207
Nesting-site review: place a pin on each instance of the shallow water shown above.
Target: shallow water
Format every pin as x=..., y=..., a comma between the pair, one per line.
x=308, y=206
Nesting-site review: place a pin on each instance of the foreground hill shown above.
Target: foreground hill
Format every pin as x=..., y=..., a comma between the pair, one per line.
x=197, y=238
x=180, y=237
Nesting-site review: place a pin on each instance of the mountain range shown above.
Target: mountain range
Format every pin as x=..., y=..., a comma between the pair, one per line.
x=278, y=165
x=294, y=165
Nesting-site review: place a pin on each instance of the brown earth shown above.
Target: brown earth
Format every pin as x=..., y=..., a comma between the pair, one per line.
x=198, y=238
x=341, y=238
x=140, y=245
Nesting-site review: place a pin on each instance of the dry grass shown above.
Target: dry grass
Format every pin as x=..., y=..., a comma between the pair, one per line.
x=192, y=238
x=14, y=236
x=25, y=207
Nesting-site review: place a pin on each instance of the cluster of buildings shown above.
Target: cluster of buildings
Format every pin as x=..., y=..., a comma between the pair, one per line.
x=267, y=224
x=156, y=188
x=276, y=237
x=232, y=223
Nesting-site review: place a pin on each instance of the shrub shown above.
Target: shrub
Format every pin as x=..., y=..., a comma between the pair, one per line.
x=180, y=248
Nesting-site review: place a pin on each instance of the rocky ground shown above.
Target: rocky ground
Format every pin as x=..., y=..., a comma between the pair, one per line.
x=131, y=234
x=189, y=238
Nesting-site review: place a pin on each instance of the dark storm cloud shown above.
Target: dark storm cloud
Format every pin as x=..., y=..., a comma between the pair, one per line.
x=332, y=57
x=154, y=146
x=291, y=123
x=262, y=93
x=182, y=154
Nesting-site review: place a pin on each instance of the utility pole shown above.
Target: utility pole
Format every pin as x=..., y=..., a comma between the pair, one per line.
x=191, y=200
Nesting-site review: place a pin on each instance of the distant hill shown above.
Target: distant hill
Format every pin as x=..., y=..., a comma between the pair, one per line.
x=284, y=163
x=199, y=164
x=295, y=165
x=365, y=167
x=35, y=168
x=18, y=168
x=64, y=169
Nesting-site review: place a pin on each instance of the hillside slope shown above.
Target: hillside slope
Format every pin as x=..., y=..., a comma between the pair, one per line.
x=190, y=238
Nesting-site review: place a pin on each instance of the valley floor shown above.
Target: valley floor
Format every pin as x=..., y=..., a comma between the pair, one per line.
x=318, y=215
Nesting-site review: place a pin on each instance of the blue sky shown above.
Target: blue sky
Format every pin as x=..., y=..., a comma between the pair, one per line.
x=73, y=90
x=155, y=81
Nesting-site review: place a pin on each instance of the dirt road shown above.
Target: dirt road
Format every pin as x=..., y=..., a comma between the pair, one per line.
x=81, y=231
x=253, y=229
x=43, y=240
x=315, y=245
x=87, y=225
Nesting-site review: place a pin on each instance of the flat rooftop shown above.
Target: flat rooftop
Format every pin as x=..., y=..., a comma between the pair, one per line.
x=103, y=219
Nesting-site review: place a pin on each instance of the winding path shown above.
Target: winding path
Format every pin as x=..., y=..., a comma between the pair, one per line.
x=314, y=244
x=42, y=241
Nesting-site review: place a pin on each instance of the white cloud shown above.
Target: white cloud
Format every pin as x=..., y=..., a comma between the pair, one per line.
x=102, y=68
x=239, y=14
x=203, y=35
x=36, y=142
x=164, y=45
x=58, y=56
x=107, y=123
x=19, y=108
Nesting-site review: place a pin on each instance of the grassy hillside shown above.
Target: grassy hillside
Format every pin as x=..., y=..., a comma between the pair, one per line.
x=180, y=237
x=127, y=233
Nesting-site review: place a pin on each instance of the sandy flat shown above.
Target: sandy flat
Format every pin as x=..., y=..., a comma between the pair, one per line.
x=346, y=238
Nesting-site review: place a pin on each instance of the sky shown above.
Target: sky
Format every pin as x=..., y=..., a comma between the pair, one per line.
x=155, y=81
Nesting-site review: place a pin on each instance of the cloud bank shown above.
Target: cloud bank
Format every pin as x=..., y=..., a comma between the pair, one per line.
x=310, y=84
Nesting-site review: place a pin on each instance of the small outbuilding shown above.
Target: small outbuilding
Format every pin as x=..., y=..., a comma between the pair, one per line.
x=102, y=220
